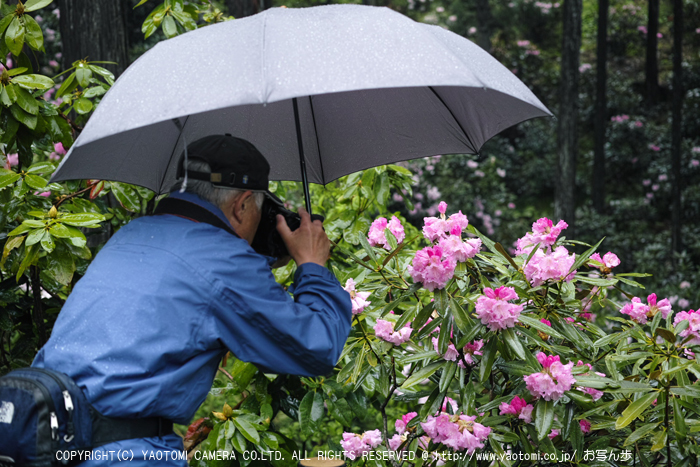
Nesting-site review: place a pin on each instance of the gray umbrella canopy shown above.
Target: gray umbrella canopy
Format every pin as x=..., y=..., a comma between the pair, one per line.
x=372, y=86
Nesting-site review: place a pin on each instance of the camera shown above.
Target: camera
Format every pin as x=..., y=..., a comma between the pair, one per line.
x=267, y=239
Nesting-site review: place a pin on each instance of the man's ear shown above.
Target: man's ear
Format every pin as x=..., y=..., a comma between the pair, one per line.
x=241, y=205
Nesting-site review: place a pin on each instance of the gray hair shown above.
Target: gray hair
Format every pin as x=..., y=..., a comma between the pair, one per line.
x=219, y=197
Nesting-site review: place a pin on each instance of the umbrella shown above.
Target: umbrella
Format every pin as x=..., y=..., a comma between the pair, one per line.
x=322, y=92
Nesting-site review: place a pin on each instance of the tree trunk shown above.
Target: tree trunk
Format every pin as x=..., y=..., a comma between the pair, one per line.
x=242, y=8
x=567, y=141
x=652, y=65
x=96, y=32
x=484, y=20
x=601, y=103
x=676, y=180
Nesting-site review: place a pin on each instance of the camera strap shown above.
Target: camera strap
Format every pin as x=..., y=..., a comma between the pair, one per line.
x=191, y=211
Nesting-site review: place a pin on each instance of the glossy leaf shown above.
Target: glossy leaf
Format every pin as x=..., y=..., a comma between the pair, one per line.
x=544, y=417
x=34, y=35
x=33, y=81
x=634, y=410
x=14, y=36
x=248, y=430
x=33, y=5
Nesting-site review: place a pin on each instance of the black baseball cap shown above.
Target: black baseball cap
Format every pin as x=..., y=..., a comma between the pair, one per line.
x=234, y=163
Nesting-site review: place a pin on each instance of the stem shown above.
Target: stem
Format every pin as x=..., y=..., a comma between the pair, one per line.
x=666, y=424
x=72, y=195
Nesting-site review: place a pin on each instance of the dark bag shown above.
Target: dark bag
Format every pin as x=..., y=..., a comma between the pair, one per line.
x=41, y=412
x=44, y=416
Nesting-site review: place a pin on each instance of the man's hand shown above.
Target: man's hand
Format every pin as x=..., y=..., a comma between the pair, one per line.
x=307, y=244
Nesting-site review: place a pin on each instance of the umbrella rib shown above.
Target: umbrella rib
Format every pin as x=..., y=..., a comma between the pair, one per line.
x=182, y=130
x=318, y=145
x=471, y=143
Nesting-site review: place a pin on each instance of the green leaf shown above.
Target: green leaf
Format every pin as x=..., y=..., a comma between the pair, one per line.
x=10, y=245
x=94, y=91
x=8, y=178
x=35, y=236
x=678, y=420
x=5, y=22
x=514, y=343
x=341, y=412
x=634, y=410
x=421, y=374
x=247, y=429
x=140, y=3
x=505, y=254
x=169, y=27
x=33, y=81
x=23, y=117
x=185, y=20
x=305, y=407
x=14, y=36
x=61, y=265
x=540, y=326
x=83, y=106
x=47, y=242
x=448, y=373
x=6, y=98
x=584, y=257
x=26, y=100
x=83, y=74
x=33, y=5
x=544, y=417
x=667, y=335
x=659, y=441
x=31, y=255
x=317, y=407
x=84, y=219
x=640, y=433
x=461, y=318
x=41, y=167
x=35, y=181
x=690, y=391
x=35, y=37
x=488, y=356
x=66, y=86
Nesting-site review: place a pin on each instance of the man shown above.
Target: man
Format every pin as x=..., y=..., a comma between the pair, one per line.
x=144, y=330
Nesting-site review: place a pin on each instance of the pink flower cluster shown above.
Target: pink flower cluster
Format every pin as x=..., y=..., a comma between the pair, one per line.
x=693, y=329
x=385, y=331
x=402, y=422
x=543, y=232
x=355, y=445
x=550, y=266
x=433, y=267
x=519, y=408
x=472, y=348
x=553, y=381
x=494, y=310
x=458, y=432
x=359, y=299
x=640, y=312
x=377, y=231
x=607, y=262
x=58, y=152
x=11, y=161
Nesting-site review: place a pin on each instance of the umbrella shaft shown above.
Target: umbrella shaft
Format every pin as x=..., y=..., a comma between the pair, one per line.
x=302, y=160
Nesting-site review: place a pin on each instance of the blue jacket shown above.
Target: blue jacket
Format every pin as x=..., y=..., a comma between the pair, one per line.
x=144, y=330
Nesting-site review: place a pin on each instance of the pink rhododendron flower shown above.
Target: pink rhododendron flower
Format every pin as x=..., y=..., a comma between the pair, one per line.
x=45, y=194
x=550, y=266
x=554, y=379
x=546, y=321
x=396, y=229
x=459, y=250
x=693, y=329
x=395, y=442
x=58, y=151
x=494, y=310
x=359, y=299
x=459, y=432
x=453, y=404
x=472, y=348
x=432, y=268
x=442, y=207
x=594, y=393
x=376, y=235
x=355, y=445
x=517, y=407
x=553, y=434
x=12, y=160
x=434, y=228
x=402, y=422
x=544, y=233
x=385, y=331
x=456, y=223
x=640, y=312
x=585, y=426
x=608, y=261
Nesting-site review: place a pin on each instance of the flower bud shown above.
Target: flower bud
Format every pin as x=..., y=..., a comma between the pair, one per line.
x=53, y=212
